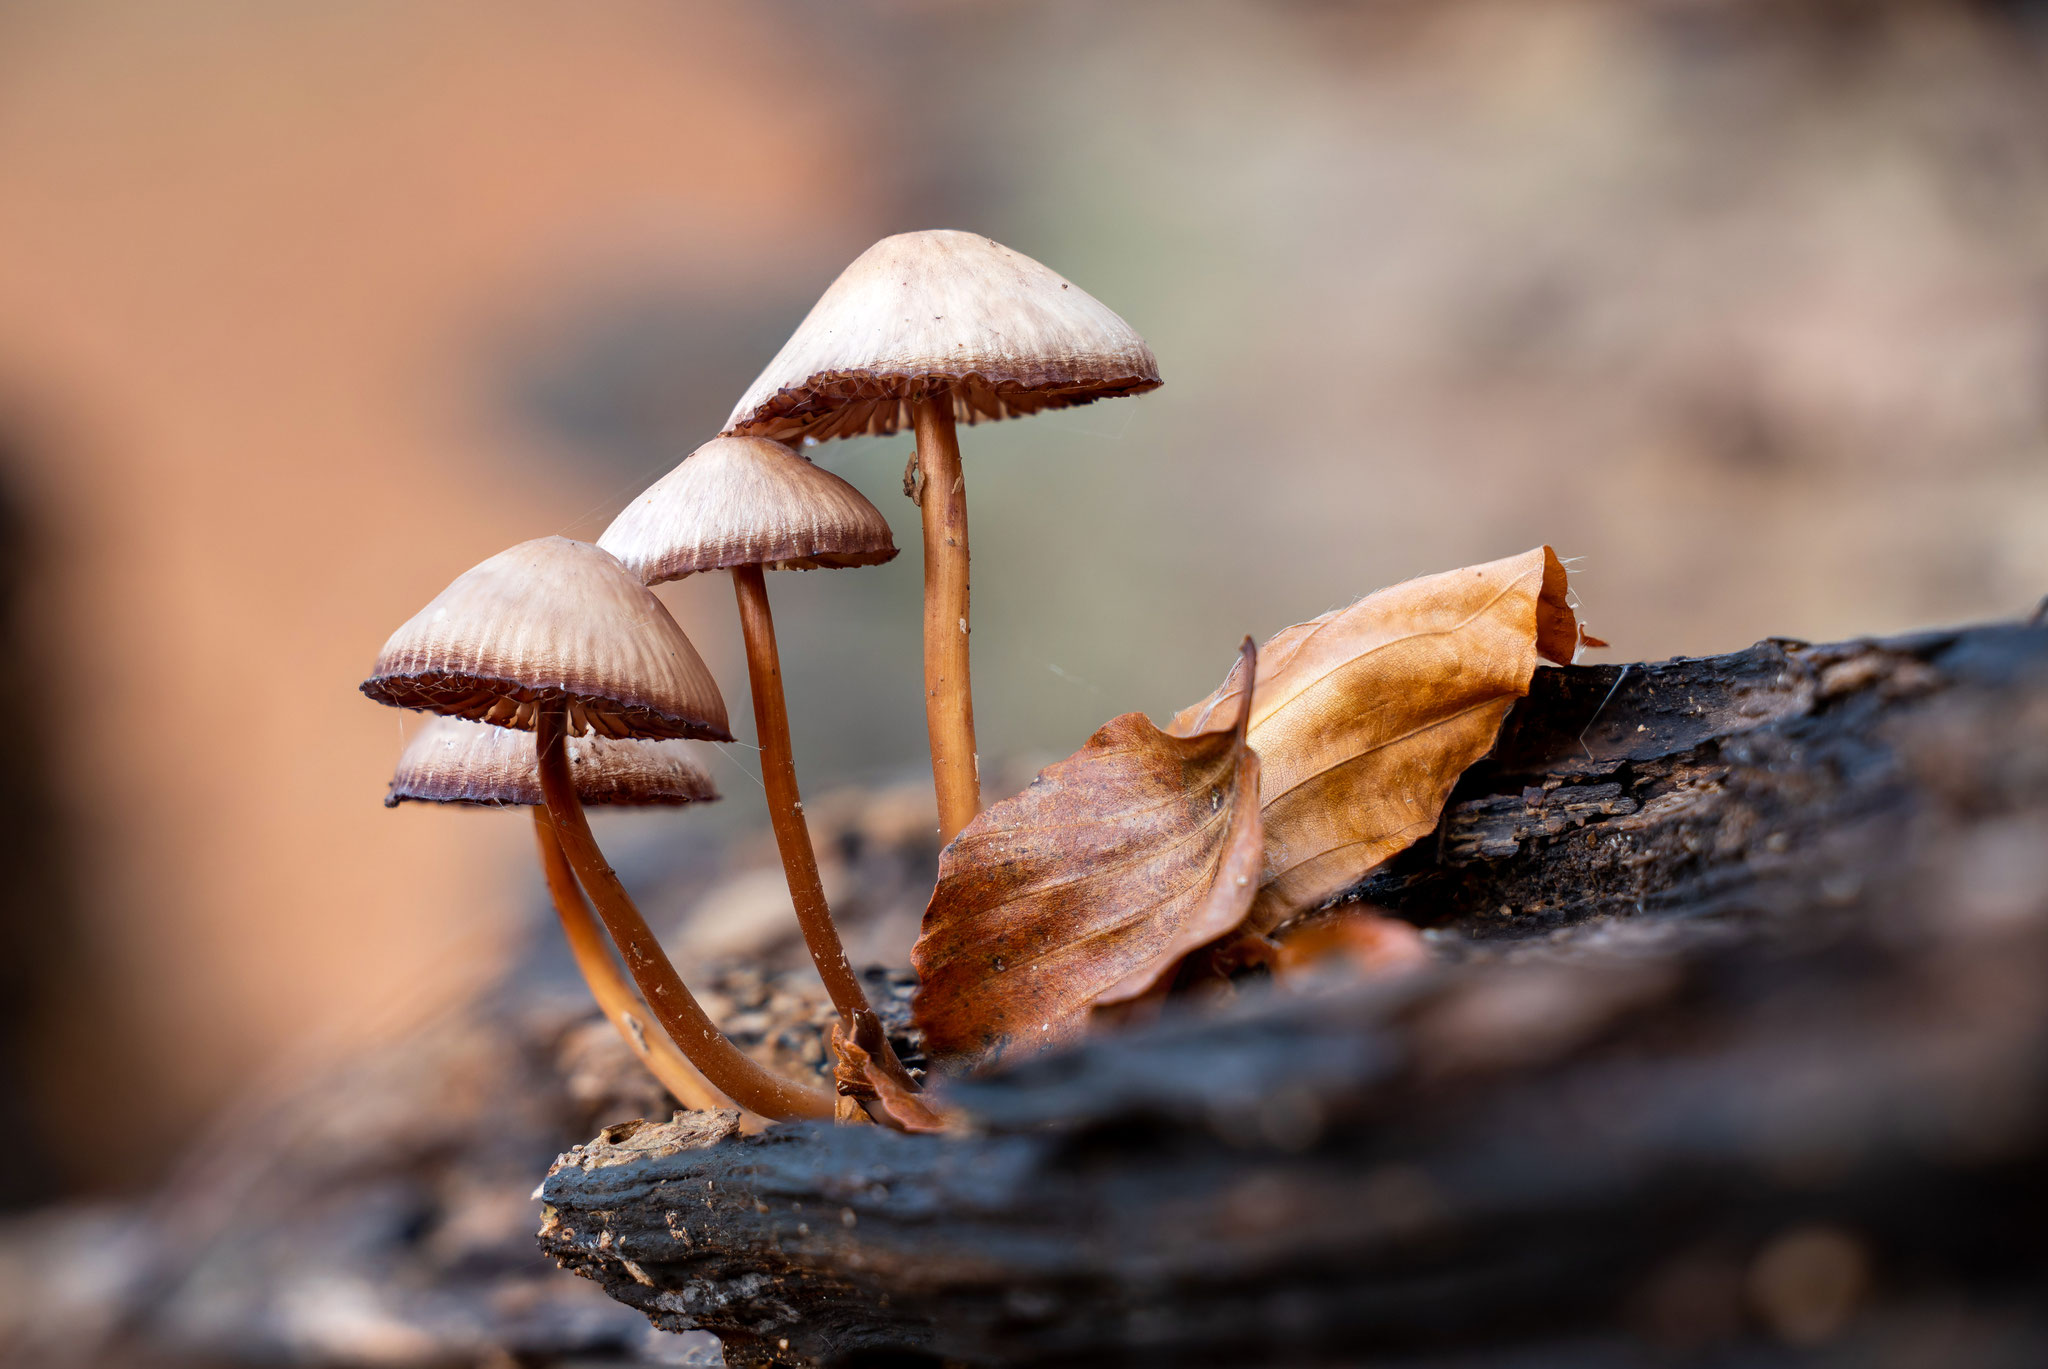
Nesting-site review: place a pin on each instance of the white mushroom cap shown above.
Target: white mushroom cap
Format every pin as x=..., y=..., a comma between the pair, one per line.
x=454, y=760
x=746, y=501
x=552, y=622
x=934, y=311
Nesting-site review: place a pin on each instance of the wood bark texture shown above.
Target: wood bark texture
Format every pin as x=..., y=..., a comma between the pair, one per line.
x=1734, y=1047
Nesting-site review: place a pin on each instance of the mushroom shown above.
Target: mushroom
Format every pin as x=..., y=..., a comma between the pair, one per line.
x=453, y=760
x=744, y=505
x=924, y=330
x=555, y=636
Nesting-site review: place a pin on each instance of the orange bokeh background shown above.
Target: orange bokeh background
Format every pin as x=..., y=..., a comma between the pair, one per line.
x=304, y=309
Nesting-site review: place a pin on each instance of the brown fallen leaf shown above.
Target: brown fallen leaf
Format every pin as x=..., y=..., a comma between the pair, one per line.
x=1370, y=945
x=868, y=1093
x=850, y=1061
x=902, y=1109
x=1364, y=718
x=1355, y=943
x=1087, y=888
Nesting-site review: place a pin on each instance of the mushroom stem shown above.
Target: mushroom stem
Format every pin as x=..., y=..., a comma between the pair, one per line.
x=732, y=1073
x=948, y=687
x=622, y=1006
x=786, y=810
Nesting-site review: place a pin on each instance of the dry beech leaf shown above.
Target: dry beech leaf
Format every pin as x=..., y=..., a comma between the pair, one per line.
x=850, y=1063
x=1351, y=944
x=867, y=1093
x=1364, y=718
x=1087, y=888
x=1369, y=945
x=902, y=1109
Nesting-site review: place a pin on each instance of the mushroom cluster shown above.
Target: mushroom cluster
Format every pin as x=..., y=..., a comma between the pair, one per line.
x=926, y=331
x=564, y=640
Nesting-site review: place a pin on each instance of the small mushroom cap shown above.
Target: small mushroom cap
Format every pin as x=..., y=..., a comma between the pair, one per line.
x=942, y=310
x=746, y=501
x=453, y=760
x=552, y=622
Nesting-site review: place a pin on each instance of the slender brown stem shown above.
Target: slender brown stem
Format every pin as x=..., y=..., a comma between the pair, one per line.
x=786, y=808
x=621, y=1004
x=785, y=805
x=948, y=685
x=729, y=1071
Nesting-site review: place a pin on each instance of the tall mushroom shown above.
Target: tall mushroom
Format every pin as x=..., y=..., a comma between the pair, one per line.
x=555, y=636
x=926, y=330
x=745, y=504
x=453, y=760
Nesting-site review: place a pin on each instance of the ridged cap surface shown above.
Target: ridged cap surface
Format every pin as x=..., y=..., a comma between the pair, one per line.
x=453, y=760
x=746, y=501
x=942, y=310
x=552, y=621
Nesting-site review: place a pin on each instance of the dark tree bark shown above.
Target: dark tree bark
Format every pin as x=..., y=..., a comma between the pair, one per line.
x=1739, y=1042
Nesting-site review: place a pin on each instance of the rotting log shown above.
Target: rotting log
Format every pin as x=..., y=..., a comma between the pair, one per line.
x=1739, y=1041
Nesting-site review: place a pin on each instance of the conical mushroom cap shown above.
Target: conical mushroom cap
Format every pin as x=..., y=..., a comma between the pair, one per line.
x=453, y=760
x=552, y=622
x=942, y=310
x=746, y=501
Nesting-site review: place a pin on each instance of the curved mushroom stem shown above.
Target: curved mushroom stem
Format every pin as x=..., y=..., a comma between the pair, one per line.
x=786, y=812
x=730, y=1072
x=948, y=687
x=622, y=1006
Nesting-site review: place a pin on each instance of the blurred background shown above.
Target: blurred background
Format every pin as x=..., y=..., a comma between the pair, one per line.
x=305, y=308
